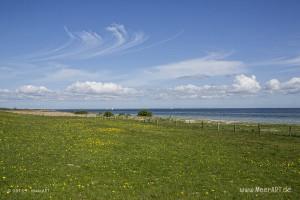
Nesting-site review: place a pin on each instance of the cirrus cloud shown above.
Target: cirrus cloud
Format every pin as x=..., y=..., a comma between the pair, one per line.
x=211, y=65
x=88, y=44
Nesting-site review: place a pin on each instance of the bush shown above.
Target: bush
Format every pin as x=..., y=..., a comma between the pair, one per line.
x=81, y=112
x=144, y=113
x=108, y=114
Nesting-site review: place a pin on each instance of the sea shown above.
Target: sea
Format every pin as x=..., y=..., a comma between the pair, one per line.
x=257, y=115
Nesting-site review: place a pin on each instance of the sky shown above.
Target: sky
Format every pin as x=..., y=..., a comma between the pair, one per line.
x=149, y=54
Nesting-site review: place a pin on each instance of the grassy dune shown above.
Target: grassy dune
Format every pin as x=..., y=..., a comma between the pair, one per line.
x=44, y=157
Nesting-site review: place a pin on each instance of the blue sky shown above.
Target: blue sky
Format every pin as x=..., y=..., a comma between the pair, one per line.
x=103, y=54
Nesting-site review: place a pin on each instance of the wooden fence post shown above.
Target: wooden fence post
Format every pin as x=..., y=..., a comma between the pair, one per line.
x=258, y=126
x=202, y=125
x=290, y=130
x=233, y=128
x=218, y=126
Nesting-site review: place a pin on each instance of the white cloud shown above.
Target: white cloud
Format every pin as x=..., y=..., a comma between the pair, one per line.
x=33, y=90
x=119, y=32
x=123, y=41
x=291, y=61
x=281, y=61
x=90, y=90
x=291, y=86
x=243, y=85
x=170, y=38
x=76, y=91
x=286, y=61
x=211, y=65
x=27, y=92
x=273, y=85
x=89, y=38
x=87, y=44
x=204, y=92
x=69, y=74
x=246, y=84
x=99, y=88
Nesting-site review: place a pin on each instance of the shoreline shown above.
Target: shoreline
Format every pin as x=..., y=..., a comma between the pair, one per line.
x=42, y=113
x=187, y=119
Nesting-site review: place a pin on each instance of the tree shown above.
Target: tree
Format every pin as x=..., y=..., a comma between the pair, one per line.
x=108, y=114
x=144, y=113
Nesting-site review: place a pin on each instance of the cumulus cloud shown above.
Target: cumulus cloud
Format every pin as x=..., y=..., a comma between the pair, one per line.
x=204, y=92
x=289, y=87
x=246, y=84
x=242, y=85
x=27, y=92
x=273, y=85
x=33, y=90
x=292, y=86
x=76, y=91
x=98, y=88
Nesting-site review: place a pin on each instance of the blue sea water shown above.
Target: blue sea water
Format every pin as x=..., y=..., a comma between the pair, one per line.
x=259, y=115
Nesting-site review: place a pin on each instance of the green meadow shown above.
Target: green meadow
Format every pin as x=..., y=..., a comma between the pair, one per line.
x=43, y=157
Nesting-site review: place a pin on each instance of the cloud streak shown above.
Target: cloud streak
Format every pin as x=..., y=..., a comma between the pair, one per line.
x=89, y=44
x=213, y=64
x=210, y=65
x=281, y=61
x=173, y=37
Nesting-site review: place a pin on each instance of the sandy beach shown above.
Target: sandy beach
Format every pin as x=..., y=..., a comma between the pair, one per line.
x=50, y=113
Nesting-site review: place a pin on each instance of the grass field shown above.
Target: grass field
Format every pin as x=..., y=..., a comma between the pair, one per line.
x=90, y=158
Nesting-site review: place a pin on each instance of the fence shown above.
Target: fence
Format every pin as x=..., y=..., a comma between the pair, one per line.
x=292, y=130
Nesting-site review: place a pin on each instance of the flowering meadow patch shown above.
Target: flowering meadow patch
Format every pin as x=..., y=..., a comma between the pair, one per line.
x=109, y=130
x=44, y=157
